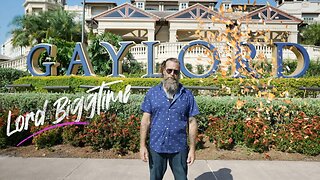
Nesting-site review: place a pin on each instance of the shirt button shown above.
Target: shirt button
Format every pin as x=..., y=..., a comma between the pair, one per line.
x=167, y=128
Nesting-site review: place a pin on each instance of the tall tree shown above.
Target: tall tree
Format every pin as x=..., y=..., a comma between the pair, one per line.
x=34, y=28
x=311, y=34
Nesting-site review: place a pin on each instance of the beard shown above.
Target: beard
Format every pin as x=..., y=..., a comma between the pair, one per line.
x=171, y=85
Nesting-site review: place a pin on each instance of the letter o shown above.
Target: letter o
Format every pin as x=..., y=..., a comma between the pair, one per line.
x=207, y=45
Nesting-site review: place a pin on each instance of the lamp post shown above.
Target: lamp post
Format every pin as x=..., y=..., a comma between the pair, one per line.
x=83, y=20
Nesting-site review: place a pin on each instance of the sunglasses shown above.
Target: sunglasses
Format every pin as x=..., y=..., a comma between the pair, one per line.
x=176, y=72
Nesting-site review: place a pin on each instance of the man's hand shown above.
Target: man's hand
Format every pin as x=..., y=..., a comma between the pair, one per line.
x=193, y=131
x=144, y=155
x=145, y=124
x=191, y=157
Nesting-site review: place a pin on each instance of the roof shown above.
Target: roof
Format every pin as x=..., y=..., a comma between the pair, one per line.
x=234, y=15
x=162, y=14
x=196, y=12
x=126, y=11
x=270, y=14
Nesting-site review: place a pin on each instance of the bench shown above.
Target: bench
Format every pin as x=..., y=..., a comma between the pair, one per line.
x=57, y=88
x=306, y=90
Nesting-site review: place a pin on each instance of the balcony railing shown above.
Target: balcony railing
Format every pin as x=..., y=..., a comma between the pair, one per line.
x=165, y=50
x=18, y=63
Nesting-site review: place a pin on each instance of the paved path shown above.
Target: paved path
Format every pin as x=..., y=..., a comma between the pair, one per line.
x=125, y=169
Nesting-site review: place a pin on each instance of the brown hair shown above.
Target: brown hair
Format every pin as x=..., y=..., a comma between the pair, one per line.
x=163, y=64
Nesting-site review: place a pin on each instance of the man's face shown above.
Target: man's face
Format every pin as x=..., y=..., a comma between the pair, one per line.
x=172, y=71
x=171, y=77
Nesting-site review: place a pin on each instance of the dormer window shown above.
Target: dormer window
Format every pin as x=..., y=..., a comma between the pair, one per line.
x=140, y=5
x=183, y=6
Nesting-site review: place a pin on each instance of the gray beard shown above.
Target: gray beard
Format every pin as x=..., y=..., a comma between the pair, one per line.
x=171, y=86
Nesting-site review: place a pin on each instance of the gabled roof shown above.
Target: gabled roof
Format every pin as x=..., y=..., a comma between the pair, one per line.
x=126, y=11
x=270, y=14
x=196, y=12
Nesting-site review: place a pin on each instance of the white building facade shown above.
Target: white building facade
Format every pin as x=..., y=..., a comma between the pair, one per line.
x=307, y=10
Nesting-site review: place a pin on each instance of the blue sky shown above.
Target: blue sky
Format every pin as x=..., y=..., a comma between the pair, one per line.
x=11, y=8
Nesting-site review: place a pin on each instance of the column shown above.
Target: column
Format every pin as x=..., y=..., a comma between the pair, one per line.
x=150, y=34
x=293, y=37
x=173, y=35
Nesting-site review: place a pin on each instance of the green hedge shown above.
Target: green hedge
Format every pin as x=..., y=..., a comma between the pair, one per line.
x=8, y=75
x=232, y=112
x=278, y=110
x=228, y=86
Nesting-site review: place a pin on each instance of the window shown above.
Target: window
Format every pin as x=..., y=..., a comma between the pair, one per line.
x=227, y=6
x=183, y=6
x=172, y=9
x=308, y=19
x=150, y=9
x=140, y=5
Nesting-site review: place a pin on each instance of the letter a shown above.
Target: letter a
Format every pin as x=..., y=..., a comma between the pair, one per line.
x=80, y=57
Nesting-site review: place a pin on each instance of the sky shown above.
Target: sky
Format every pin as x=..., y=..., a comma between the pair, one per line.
x=11, y=8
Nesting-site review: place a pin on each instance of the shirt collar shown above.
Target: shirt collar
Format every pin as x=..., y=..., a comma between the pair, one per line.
x=178, y=93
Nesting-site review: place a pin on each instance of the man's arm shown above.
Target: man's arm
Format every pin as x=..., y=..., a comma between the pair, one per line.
x=193, y=131
x=144, y=129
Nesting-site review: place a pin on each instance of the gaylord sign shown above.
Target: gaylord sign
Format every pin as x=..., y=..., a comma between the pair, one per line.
x=80, y=58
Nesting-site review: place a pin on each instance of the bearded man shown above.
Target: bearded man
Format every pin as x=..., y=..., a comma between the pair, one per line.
x=168, y=113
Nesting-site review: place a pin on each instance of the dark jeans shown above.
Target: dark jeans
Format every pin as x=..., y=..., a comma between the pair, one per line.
x=177, y=161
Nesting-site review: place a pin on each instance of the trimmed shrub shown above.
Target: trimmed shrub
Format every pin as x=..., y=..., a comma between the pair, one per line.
x=228, y=86
x=48, y=138
x=108, y=131
x=8, y=75
x=257, y=123
x=224, y=133
x=302, y=135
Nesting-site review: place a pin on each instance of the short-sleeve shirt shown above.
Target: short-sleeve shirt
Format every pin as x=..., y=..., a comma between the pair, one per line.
x=169, y=120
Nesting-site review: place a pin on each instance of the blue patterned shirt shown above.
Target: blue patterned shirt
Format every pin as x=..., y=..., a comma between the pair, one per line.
x=168, y=129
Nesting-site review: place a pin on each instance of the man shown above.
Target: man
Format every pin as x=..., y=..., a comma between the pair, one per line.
x=168, y=112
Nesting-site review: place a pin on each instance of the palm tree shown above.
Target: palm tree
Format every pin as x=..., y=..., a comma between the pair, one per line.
x=34, y=28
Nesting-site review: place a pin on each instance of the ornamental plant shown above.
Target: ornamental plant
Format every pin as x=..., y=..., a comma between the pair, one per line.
x=257, y=134
x=225, y=134
x=107, y=131
x=47, y=138
x=15, y=138
x=302, y=135
x=74, y=135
